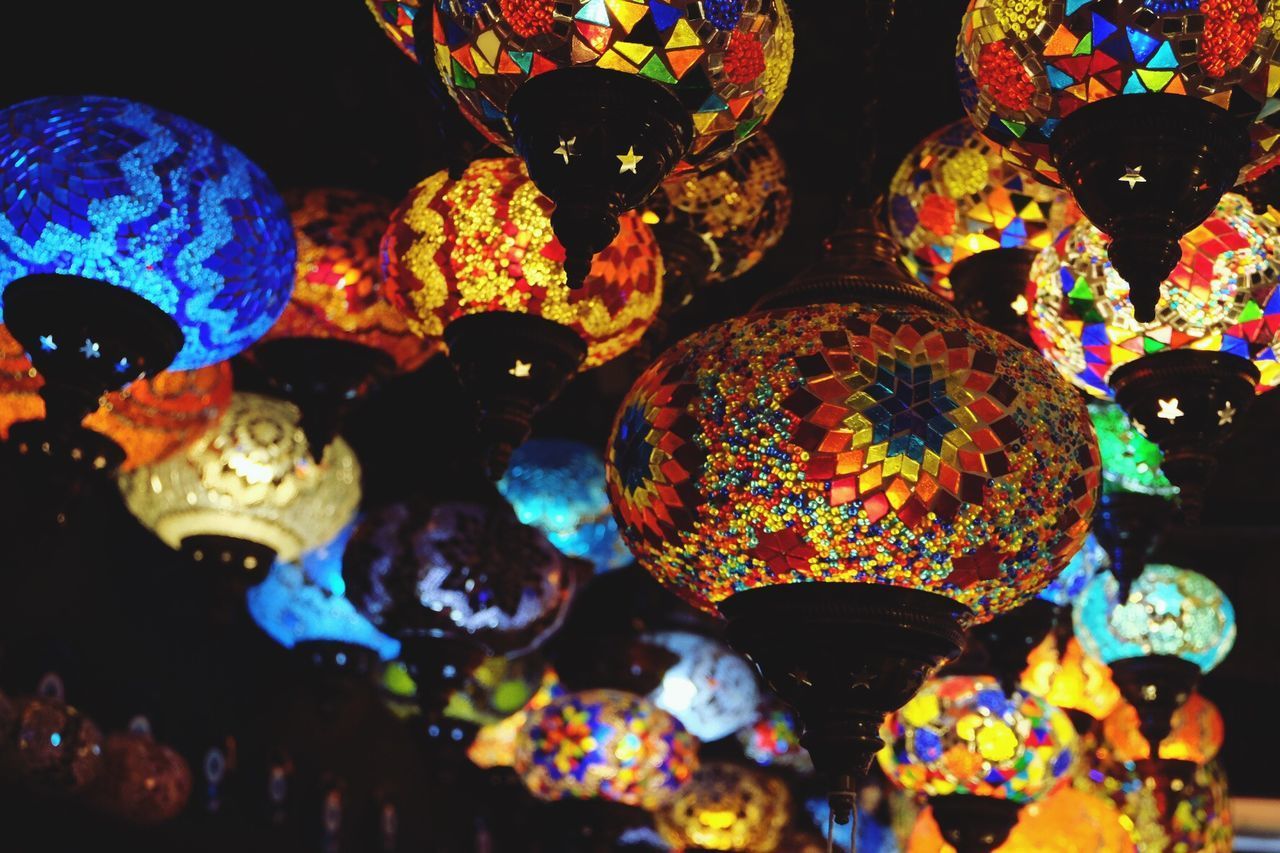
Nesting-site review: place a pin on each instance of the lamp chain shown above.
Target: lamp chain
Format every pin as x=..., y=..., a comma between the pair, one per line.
x=872, y=29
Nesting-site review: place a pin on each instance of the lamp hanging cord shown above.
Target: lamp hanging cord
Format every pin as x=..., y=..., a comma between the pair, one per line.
x=872, y=21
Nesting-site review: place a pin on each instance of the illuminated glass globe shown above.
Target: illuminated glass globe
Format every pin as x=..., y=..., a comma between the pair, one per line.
x=558, y=487
x=963, y=735
x=1070, y=582
x=52, y=749
x=395, y=17
x=774, y=740
x=495, y=744
x=955, y=196
x=1072, y=681
x=1169, y=611
x=1130, y=461
x=306, y=602
x=727, y=807
x=123, y=193
x=250, y=479
x=1221, y=297
x=605, y=744
x=143, y=781
x=1196, y=736
x=711, y=689
x=498, y=688
x=1066, y=821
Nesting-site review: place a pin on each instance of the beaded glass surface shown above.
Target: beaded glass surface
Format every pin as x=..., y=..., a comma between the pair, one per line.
x=955, y=196
x=1197, y=733
x=338, y=293
x=251, y=477
x=1170, y=611
x=1070, y=679
x=1066, y=821
x=484, y=243
x=605, y=744
x=133, y=196
x=1221, y=297
x=1035, y=62
x=864, y=445
x=558, y=487
x=727, y=61
x=962, y=735
x=727, y=807
x=711, y=689
x=1130, y=461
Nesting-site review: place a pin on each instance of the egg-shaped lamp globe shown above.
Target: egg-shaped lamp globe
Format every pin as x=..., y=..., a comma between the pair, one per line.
x=605, y=100
x=727, y=807
x=1173, y=625
x=51, y=749
x=605, y=744
x=132, y=240
x=711, y=689
x=455, y=583
x=1146, y=112
x=1196, y=735
x=1187, y=374
x=773, y=740
x=475, y=260
x=804, y=471
x=717, y=224
x=557, y=485
x=955, y=202
x=143, y=782
x=1071, y=680
x=248, y=491
x=978, y=753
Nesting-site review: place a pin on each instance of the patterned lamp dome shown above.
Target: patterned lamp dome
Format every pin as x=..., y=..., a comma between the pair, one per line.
x=711, y=689
x=129, y=195
x=727, y=807
x=956, y=196
x=605, y=744
x=1066, y=821
x=1130, y=461
x=1070, y=680
x=963, y=735
x=1196, y=735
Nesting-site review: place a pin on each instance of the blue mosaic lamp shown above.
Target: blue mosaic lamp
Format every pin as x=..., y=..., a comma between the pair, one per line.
x=1063, y=590
x=558, y=487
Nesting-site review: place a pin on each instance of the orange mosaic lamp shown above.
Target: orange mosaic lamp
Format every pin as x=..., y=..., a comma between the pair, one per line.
x=1068, y=821
x=1196, y=734
x=1071, y=680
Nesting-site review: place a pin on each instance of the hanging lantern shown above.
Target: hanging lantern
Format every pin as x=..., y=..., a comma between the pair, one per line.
x=516, y=333
x=956, y=203
x=727, y=807
x=1071, y=680
x=978, y=753
x=1147, y=112
x=773, y=740
x=142, y=781
x=248, y=491
x=51, y=749
x=1196, y=733
x=1188, y=373
x=1173, y=625
x=605, y=100
x=558, y=487
x=605, y=744
x=710, y=689
x=1130, y=461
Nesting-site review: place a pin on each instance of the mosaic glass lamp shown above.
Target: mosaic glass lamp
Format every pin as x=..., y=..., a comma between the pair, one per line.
x=727, y=807
x=396, y=17
x=50, y=747
x=1173, y=625
x=1130, y=461
x=142, y=782
x=516, y=333
x=247, y=492
x=813, y=471
x=339, y=335
x=1196, y=734
x=1071, y=680
x=773, y=740
x=710, y=689
x=978, y=753
x=969, y=223
x=1063, y=590
x=603, y=100
x=1185, y=376
x=558, y=487
x=1146, y=111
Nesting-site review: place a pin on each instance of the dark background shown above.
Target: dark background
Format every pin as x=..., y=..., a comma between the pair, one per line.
x=317, y=95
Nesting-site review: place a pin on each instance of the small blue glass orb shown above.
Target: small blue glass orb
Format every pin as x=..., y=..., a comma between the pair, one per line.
x=1170, y=611
x=302, y=602
x=127, y=194
x=1067, y=586
x=558, y=487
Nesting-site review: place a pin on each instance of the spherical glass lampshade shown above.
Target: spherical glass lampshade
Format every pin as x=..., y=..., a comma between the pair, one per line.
x=1221, y=297
x=1130, y=461
x=719, y=59
x=1197, y=733
x=844, y=444
x=738, y=209
x=251, y=477
x=395, y=17
x=558, y=487
x=1072, y=680
x=605, y=744
x=142, y=781
x=955, y=196
x=498, y=688
x=711, y=689
x=1036, y=63
x=52, y=748
x=774, y=740
x=1170, y=611
x=457, y=570
x=484, y=243
x=136, y=197
x=305, y=601
x=151, y=419
x=962, y=735
x=1066, y=821
x=495, y=744
x=1067, y=586
x=727, y=807
x=338, y=293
